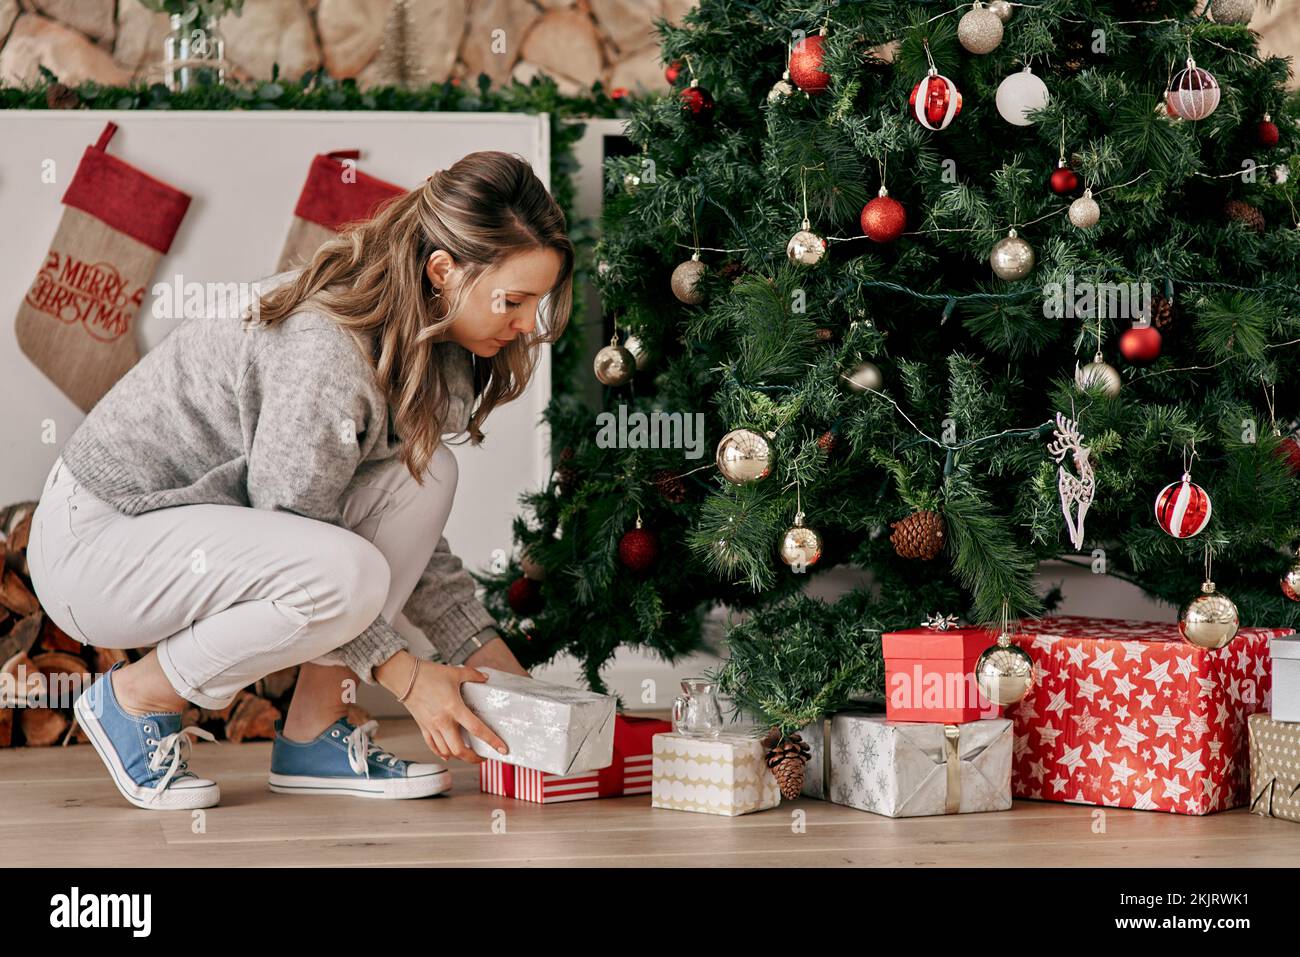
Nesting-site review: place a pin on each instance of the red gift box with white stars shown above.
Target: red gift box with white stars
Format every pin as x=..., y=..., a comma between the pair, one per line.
x=1128, y=714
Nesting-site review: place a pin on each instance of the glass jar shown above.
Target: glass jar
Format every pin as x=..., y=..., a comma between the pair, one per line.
x=193, y=52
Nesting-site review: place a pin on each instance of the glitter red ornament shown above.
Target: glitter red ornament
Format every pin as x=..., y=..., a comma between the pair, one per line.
x=1267, y=132
x=884, y=218
x=1140, y=344
x=1183, y=508
x=935, y=101
x=638, y=549
x=524, y=597
x=1288, y=450
x=806, y=64
x=698, y=102
x=1064, y=180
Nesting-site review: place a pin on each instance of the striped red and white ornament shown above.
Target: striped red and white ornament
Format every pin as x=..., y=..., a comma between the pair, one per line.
x=1183, y=508
x=935, y=101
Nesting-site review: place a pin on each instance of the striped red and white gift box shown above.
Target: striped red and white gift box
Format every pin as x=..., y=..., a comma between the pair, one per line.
x=630, y=772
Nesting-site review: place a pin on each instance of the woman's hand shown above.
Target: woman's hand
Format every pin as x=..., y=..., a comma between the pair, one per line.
x=496, y=654
x=437, y=706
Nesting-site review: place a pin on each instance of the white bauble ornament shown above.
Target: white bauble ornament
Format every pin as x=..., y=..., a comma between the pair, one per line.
x=1098, y=374
x=866, y=375
x=980, y=30
x=1018, y=94
x=1012, y=258
x=1084, y=211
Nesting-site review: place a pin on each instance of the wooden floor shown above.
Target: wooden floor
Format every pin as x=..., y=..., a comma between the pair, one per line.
x=58, y=808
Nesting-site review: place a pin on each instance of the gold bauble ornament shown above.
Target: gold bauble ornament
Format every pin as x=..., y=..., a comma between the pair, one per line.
x=980, y=30
x=744, y=456
x=866, y=375
x=1012, y=258
x=686, y=281
x=1004, y=672
x=1098, y=373
x=631, y=183
x=1084, y=211
x=614, y=365
x=1232, y=11
x=781, y=89
x=1002, y=10
x=1291, y=582
x=640, y=353
x=1209, y=620
x=801, y=546
x=805, y=248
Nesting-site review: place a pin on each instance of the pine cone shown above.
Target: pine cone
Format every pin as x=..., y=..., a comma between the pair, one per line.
x=920, y=535
x=1239, y=211
x=733, y=270
x=1145, y=6
x=787, y=758
x=60, y=96
x=827, y=442
x=670, y=486
x=1162, y=313
x=824, y=334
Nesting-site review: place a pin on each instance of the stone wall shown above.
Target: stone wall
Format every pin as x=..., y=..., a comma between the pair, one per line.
x=574, y=41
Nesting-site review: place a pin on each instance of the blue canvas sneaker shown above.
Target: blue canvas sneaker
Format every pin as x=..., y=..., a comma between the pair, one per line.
x=146, y=755
x=343, y=760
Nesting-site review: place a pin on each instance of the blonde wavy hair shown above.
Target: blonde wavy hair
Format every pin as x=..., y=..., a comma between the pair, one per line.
x=483, y=209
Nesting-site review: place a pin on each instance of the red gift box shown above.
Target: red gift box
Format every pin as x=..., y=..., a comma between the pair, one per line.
x=930, y=675
x=630, y=772
x=1128, y=714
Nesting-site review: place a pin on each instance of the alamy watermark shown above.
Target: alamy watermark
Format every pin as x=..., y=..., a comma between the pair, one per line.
x=657, y=430
x=1097, y=300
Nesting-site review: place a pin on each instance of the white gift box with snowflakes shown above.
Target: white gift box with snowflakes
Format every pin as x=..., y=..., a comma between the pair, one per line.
x=907, y=768
x=1285, y=654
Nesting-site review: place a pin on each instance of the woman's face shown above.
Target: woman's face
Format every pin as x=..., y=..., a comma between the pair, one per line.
x=503, y=305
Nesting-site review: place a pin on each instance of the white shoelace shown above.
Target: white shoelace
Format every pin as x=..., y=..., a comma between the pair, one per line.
x=176, y=747
x=360, y=748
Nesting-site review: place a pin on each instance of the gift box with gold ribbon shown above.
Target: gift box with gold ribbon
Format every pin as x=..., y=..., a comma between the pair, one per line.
x=909, y=769
x=1274, y=767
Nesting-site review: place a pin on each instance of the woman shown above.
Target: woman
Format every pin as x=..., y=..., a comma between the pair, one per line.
x=270, y=489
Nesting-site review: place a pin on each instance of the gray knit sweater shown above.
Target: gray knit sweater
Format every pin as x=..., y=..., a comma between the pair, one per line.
x=280, y=417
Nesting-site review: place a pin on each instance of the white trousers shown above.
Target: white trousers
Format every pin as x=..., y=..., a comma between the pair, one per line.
x=228, y=594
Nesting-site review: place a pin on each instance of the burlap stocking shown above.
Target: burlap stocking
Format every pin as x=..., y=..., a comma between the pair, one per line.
x=335, y=193
x=76, y=321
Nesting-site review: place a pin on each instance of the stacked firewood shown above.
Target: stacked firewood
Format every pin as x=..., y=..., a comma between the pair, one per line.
x=44, y=668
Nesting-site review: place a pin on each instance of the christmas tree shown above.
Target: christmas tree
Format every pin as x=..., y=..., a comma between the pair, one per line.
x=961, y=292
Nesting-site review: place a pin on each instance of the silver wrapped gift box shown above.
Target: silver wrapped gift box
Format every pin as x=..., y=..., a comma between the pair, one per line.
x=548, y=727
x=910, y=769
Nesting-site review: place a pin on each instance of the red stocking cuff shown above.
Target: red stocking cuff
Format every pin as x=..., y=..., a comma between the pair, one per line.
x=329, y=201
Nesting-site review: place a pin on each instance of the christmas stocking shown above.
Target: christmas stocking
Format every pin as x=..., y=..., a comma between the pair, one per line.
x=335, y=193
x=75, y=323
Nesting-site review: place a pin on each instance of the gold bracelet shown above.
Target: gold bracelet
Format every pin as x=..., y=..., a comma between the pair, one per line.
x=414, y=671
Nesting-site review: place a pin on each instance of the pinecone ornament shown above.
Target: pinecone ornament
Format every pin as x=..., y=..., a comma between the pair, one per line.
x=733, y=270
x=1145, y=6
x=566, y=476
x=920, y=535
x=1162, y=313
x=827, y=442
x=787, y=758
x=1239, y=211
x=671, y=486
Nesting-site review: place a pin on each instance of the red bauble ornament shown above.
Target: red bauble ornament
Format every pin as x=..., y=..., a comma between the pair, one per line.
x=672, y=71
x=806, y=64
x=1288, y=450
x=524, y=597
x=1064, y=181
x=935, y=101
x=638, y=549
x=884, y=218
x=1267, y=133
x=1183, y=508
x=1140, y=344
x=698, y=102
